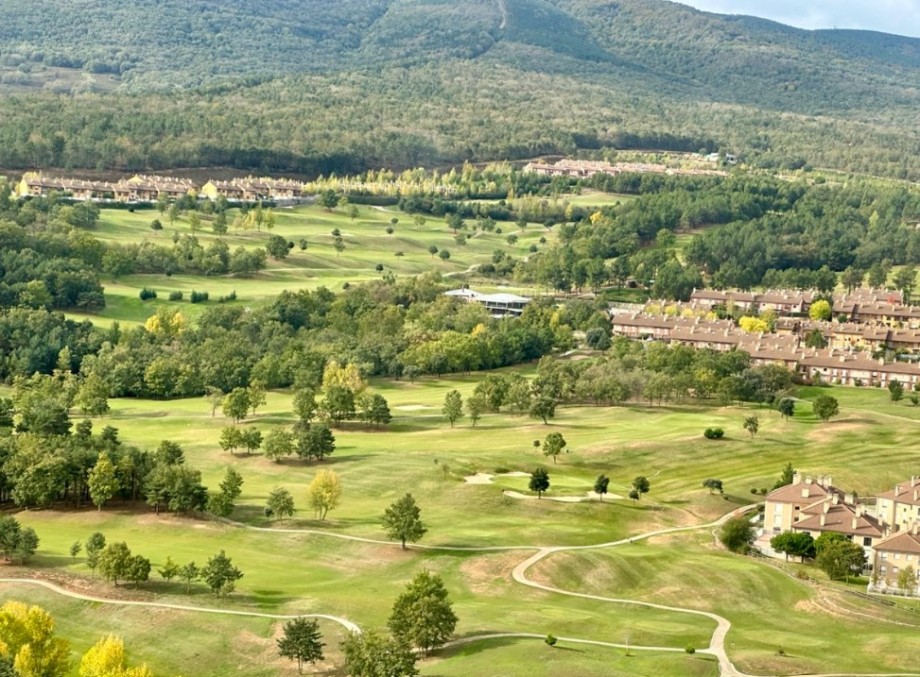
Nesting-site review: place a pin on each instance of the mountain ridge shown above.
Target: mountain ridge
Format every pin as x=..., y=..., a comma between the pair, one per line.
x=136, y=84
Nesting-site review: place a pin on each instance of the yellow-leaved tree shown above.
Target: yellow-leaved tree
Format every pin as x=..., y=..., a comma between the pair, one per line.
x=348, y=376
x=108, y=659
x=325, y=491
x=754, y=325
x=27, y=638
x=167, y=323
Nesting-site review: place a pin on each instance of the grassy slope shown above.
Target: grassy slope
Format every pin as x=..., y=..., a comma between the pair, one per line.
x=291, y=573
x=366, y=241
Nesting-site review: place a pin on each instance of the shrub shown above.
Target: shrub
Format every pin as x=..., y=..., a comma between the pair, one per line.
x=147, y=294
x=175, y=296
x=713, y=433
x=690, y=650
x=199, y=296
x=501, y=470
x=551, y=640
x=229, y=297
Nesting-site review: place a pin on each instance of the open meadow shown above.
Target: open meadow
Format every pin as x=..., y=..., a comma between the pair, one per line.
x=367, y=246
x=302, y=565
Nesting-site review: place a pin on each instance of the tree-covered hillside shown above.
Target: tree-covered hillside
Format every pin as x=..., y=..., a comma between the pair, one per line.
x=312, y=86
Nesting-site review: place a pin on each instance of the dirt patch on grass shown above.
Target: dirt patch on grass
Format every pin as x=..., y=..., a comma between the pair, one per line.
x=482, y=573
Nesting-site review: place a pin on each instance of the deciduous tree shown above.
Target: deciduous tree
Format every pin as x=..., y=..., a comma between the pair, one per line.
x=423, y=615
x=302, y=642
x=453, y=407
x=403, y=521
x=539, y=481
x=325, y=491
x=280, y=503
x=553, y=445
x=370, y=654
x=220, y=574
x=102, y=481
x=600, y=486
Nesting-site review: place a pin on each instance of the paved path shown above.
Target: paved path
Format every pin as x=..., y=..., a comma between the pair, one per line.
x=723, y=625
x=344, y=622
x=519, y=574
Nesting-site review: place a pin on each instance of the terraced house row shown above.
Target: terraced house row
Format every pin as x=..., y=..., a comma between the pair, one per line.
x=850, y=352
x=151, y=188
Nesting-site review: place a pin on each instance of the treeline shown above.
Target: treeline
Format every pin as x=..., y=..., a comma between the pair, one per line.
x=860, y=225
x=660, y=373
x=759, y=231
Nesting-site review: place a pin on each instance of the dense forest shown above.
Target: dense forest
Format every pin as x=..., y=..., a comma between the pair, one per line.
x=313, y=87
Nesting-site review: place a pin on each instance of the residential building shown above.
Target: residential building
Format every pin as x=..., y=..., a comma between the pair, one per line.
x=783, y=505
x=899, y=508
x=835, y=515
x=893, y=555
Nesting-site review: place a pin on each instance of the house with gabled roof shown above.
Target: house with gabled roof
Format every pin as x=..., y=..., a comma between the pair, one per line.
x=892, y=556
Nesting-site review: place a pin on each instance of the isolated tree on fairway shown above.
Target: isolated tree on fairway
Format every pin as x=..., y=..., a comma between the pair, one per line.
x=432, y=249
x=640, y=486
x=220, y=574
x=302, y=642
x=752, y=425
x=325, y=491
x=370, y=654
x=600, y=486
x=539, y=481
x=826, y=407
x=713, y=485
x=93, y=548
x=786, y=407
x=280, y=503
x=423, y=615
x=75, y=549
x=553, y=445
x=102, y=481
x=896, y=390
x=453, y=407
x=737, y=534
x=403, y=521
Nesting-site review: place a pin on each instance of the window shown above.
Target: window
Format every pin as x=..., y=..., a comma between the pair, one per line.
x=884, y=556
x=867, y=542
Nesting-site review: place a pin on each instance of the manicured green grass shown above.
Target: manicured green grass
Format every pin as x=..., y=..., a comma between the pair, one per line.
x=769, y=610
x=594, y=198
x=366, y=241
x=866, y=449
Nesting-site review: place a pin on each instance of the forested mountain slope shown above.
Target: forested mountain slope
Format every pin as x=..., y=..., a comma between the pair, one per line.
x=309, y=85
